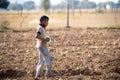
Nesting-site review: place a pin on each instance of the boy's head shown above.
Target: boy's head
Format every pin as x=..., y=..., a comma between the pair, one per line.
x=44, y=20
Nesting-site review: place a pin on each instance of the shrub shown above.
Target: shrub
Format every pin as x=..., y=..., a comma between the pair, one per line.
x=4, y=25
x=99, y=11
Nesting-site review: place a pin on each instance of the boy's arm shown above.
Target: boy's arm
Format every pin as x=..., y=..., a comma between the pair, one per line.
x=38, y=36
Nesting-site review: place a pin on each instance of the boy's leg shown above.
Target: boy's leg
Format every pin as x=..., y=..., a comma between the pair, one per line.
x=40, y=64
x=48, y=67
x=48, y=60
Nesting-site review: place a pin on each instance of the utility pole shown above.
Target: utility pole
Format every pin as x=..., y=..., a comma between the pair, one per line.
x=67, y=15
x=80, y=7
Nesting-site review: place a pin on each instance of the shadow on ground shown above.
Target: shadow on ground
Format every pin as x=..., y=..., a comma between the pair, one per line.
x=71, y=72
x=11, y=74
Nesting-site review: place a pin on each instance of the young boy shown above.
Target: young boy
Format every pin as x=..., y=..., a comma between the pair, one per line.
x=44, y=54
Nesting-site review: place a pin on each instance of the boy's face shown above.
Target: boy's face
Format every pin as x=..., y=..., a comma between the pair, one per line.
x=45, y=23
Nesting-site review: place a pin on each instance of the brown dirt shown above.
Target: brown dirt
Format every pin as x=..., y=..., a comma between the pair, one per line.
x=79, y=54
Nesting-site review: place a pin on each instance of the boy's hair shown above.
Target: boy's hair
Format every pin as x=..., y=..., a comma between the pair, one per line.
x=43, y=18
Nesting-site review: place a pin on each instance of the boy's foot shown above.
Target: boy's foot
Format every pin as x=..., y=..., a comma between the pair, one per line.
x=48, y=75
x=36, y=78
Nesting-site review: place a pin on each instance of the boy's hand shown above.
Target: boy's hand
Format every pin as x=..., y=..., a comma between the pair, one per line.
x=47, y=39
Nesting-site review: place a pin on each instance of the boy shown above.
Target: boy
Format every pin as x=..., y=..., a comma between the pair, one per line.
x=44, y=54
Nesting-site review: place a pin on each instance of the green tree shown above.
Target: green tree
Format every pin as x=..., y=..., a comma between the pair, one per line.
x=118, y=1
x=84, y=4
x=111, y=3
x=92, y=4
x=61, y=6
x=15, y=6
x=29, y=5
x=101, y=5
x=45, y=5
x=4, y=3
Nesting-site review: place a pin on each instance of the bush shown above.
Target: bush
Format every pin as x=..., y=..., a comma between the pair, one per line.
x=4, y=25
x=99, y=11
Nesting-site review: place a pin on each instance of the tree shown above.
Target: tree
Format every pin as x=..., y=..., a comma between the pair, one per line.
x=101, y=5
x=29, y=5
x=77, y=4
x=45, y=5
x=92, y=4
x=15, y=6
x=118, y=5
x=60, y=6
x=4, y=3
x=111, y=3
x=84, y=4
x=118, y=1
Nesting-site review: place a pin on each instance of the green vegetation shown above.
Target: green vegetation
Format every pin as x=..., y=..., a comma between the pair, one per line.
x=45, y=5
x=4, y=25
x=4, y=3
x=118, y=1
x=15, y=6
x=99, y=10
x=29, y=5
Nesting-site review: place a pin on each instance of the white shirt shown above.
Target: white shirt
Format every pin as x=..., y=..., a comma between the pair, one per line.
x=42, y=32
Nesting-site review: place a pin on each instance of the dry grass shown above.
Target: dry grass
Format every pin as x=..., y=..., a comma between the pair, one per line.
x=30, y=20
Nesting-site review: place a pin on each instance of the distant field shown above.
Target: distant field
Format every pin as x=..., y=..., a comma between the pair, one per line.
x=30, y=19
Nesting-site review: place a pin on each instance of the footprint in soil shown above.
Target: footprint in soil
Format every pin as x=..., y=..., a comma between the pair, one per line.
x=11, y=74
